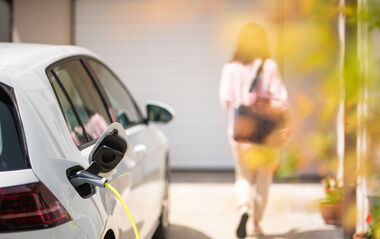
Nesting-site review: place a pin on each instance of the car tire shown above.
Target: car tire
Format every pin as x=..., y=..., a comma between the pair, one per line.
x=163, y=227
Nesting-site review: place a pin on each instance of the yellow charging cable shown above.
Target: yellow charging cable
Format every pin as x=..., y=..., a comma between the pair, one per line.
x=125, y=208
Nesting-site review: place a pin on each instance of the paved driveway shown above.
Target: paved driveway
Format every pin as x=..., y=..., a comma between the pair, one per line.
x=203, y=207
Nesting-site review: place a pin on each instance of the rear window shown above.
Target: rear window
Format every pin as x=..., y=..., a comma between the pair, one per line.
x=12, y=155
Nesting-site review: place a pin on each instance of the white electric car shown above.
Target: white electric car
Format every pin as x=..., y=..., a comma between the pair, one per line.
x=55, y=102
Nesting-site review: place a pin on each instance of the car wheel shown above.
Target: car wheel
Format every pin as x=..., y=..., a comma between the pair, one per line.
x=163, y=227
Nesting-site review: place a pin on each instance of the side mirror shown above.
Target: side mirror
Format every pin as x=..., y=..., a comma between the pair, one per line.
x=159, y=112
x=109, y=150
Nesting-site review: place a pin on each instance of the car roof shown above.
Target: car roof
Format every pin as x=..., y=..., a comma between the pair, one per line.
x=29, y=54
x=16, y=57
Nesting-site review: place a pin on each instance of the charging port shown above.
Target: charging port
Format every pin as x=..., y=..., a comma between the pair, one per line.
x=85, y=190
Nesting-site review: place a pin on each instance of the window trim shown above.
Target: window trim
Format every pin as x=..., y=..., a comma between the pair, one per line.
x=142, y=119
x=99, y=87
x=49, y=69
x=19, y=124
x=70, y=103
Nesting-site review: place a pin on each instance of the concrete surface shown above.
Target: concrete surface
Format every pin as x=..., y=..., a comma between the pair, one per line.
x=203, y=207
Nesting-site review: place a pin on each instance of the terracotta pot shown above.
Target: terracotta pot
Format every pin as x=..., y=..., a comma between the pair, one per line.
x=361, y=235
x=331, y=213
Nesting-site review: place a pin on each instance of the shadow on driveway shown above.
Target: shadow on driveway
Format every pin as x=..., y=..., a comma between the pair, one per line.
x=182, y=232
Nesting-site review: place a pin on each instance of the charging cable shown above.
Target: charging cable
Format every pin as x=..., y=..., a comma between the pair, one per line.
x=83, y=176
x=125, y=208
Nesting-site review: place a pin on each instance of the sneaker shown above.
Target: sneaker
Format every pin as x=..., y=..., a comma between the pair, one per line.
x=241, y=231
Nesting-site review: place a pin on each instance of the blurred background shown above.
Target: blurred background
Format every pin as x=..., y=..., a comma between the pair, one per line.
x=173, y=51
x=178, y=48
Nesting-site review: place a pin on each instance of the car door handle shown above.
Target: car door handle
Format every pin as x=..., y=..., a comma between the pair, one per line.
x=140, y=150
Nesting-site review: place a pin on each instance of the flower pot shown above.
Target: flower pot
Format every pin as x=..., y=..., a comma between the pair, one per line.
x=331, y=213
x=361, y=235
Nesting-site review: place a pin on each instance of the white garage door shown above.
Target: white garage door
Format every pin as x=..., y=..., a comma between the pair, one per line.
x=172, y=51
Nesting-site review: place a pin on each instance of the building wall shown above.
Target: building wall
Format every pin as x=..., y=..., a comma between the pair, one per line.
x=41, y=21
x=5, y=21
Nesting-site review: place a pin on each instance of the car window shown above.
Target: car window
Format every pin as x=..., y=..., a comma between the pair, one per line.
x=1, y=141
x=75, y=128
x=12, y=155
x=126, y=110
x=84, y=97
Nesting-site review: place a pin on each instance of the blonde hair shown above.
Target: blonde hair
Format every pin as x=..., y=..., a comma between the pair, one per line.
x=252, y=44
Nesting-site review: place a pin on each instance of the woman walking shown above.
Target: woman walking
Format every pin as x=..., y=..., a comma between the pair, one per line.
x=252, y=81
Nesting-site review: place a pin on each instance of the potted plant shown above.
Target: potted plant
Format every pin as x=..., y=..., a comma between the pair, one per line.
x=373, y=220
x=373, y=231
x=331, y=206
x=371, y=226
x=361, y=235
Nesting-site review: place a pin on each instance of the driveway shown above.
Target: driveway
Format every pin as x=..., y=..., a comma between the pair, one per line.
x=203, y=207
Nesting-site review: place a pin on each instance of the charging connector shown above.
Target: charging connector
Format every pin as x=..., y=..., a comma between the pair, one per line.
x=82, y=177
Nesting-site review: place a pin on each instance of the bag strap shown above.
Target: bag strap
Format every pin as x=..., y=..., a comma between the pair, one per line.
x=257, y=77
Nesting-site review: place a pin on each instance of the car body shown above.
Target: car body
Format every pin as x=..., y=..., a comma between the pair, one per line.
x=55, y=101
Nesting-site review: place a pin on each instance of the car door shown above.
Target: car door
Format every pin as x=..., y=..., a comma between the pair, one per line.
x=147, y=146
x=87, y=116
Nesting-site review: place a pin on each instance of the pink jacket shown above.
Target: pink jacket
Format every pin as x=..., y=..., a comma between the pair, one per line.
x=236, y=80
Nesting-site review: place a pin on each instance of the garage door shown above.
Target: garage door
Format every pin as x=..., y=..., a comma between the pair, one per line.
x=172, y=51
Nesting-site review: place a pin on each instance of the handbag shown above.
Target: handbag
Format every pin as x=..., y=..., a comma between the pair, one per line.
x=258, y=122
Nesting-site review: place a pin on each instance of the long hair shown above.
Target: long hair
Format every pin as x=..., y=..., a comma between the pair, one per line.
x=252, y=44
